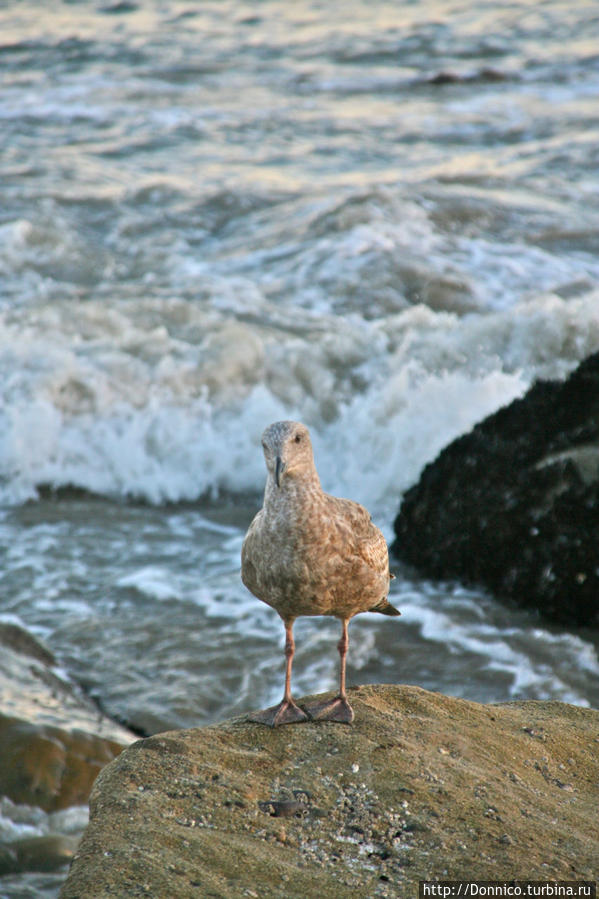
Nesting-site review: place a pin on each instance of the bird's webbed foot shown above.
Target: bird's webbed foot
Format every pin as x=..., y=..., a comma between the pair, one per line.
x=286, y=712
x=337, y=709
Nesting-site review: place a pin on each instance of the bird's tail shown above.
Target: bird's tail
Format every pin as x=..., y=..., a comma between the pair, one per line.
x=385, y=608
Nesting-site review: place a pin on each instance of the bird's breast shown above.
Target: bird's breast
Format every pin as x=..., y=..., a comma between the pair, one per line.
x=305, y=555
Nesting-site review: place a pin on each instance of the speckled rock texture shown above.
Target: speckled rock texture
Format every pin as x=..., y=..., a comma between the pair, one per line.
x=514, y=504
x=420, y=786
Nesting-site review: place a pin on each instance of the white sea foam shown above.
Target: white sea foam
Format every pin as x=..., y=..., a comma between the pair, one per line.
x=20, y=821
x=151, y=581
x=111, y=401
x=388, y=436
x=506, y=650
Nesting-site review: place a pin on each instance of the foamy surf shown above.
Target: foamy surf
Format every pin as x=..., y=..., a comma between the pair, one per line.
x=107, y=401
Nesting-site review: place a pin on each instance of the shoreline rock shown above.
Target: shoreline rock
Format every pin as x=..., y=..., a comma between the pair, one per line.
x=50, y=852
x=512, y=505
x=54, y=739
x=421, y=786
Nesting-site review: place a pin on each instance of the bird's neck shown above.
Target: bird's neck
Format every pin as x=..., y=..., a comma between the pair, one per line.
x=296, y=492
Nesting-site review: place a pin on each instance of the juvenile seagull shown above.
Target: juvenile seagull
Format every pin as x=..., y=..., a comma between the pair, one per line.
x=309, y=553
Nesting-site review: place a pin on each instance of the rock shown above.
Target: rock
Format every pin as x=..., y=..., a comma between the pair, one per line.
x=45, y=853
x=421, y=786
x=513, y=505
x=54, y=739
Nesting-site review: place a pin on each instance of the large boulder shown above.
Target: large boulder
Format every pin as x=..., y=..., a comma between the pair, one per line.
x=53, y=738
x=420, y=786
x=514, y=504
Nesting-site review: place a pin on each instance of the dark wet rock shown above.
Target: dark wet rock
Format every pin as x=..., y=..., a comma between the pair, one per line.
x=514, y=504
x=486, y=75
x=43, y=853
x=420, y=786
x=14, y=637
x=54, y=740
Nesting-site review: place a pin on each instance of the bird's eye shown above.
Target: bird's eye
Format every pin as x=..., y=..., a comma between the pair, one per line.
x=298, y=438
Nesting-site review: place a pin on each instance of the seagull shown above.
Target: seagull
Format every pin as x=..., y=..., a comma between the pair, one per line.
x=309, y=553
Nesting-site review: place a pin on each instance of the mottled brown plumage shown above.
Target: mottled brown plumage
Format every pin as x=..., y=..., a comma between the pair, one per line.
x=309, y=553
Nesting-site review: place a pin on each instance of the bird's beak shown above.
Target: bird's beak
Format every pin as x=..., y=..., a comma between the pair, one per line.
x=279, y=469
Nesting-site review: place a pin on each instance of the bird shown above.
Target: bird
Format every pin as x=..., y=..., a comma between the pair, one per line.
x=309, y=553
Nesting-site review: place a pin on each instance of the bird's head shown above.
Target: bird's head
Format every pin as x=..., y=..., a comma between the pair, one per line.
x=287, y=450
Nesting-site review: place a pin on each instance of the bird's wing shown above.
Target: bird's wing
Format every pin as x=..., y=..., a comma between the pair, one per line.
x=368, y=541
x=248, y=552
x=373, y=550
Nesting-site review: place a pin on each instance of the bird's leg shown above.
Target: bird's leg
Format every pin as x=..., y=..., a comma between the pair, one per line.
x=343, y=646
x=337, y=709
x=286, y=712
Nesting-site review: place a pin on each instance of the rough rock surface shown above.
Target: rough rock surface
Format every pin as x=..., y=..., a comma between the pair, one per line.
x=514, y=505
x=53, y=739
x=421, y=786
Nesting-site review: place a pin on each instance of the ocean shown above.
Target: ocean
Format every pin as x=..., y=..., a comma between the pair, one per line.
x=378, y=218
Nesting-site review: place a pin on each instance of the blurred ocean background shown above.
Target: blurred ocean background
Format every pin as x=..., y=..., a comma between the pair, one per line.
x=380, y=218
